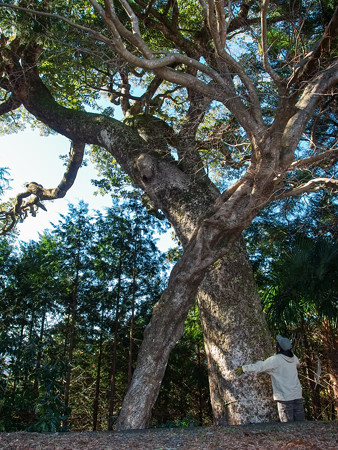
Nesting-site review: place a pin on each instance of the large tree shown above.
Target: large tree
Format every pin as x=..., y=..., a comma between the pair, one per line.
x=222, y=87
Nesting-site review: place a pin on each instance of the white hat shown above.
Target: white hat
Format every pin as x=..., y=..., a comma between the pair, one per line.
x=284, y=343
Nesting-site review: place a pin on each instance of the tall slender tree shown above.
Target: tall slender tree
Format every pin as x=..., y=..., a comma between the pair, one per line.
x=73, y=234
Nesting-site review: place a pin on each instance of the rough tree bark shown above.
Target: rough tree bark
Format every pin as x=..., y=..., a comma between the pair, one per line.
x=234, y=330
x=167, y=323
x=231, y=311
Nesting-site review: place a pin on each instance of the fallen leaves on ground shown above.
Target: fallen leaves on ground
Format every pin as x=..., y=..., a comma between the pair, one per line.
x=301, y=435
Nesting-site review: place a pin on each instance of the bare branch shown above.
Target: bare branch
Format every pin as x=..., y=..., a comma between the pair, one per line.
x=132, y=16
x=311, y=97
x=119, y=30
x=276, y=78
x=315, y=185
x=216, y=22
x=311, y=160
x=215, y=27
x=306, y=66
x=36, y=192
x=74, y=163
x=221, y=21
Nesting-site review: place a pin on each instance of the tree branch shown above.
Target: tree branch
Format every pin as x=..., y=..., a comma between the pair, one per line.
x=311, y=97
x=221, y=21
x=74, y=163
x=310, y=62
x=276, y=78
x=216, y=19
x=306, y=162
x=36, y=193
x=10, y=104
x=315, y=185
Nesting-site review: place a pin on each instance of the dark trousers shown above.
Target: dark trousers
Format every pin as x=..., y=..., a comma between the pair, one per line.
x=291, y=411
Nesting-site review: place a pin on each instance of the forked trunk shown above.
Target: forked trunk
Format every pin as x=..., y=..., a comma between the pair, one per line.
x=231, y=312
x=229, y=304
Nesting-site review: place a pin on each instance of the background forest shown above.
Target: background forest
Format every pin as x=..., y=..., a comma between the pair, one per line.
x=75, y=303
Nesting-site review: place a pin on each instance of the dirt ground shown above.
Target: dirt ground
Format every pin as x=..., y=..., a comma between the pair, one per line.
x=306, y=435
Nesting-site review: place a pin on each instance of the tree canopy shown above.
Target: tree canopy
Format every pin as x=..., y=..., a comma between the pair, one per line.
x=232, y=77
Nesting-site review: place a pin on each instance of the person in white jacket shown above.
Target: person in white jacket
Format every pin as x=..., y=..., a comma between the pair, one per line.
x=286, y=387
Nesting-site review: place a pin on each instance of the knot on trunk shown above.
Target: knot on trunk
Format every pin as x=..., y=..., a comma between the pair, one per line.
x=146, y=166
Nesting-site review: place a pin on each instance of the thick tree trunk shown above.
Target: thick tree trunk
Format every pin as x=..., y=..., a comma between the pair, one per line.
x=204, y=242
x=235, y=332
x=164, y=330
x=243, y=321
